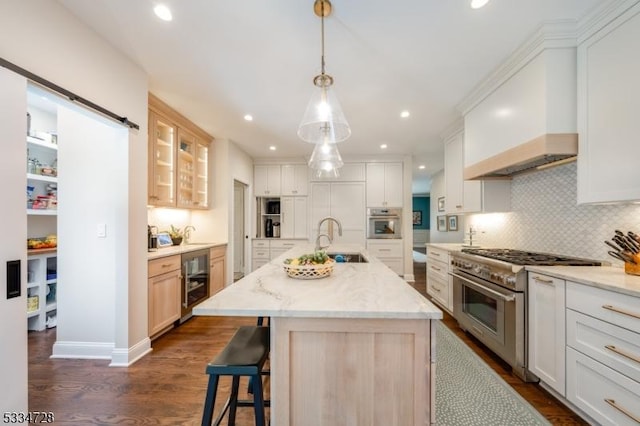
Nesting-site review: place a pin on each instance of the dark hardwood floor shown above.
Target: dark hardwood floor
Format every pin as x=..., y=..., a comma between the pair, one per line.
x=167, y=386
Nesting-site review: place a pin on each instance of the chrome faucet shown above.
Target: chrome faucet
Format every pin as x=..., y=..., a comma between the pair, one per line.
x=323, y=220
x=187, y=233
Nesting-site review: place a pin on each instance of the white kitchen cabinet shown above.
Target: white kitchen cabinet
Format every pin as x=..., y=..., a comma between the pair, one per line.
x=349, y=172
x=293, y=217
x=384, y=185
x=295, y=179
x=439, y=282
x=265, y=250
x=267, y=180
x=608, y=102
x=390, y=252
x=466, y=196
x=603, y=354
x=344, y=201
x=546, y=311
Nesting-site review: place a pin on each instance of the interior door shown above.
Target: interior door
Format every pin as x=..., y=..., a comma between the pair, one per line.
x=238, y=229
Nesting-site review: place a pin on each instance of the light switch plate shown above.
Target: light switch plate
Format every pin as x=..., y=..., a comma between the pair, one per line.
x=102, y=230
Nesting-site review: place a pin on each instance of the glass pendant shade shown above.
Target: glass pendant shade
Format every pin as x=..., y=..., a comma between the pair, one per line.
x=324, y=121
x=326, y=159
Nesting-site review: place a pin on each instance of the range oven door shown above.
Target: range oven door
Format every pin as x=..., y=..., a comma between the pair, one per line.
x=487, y=311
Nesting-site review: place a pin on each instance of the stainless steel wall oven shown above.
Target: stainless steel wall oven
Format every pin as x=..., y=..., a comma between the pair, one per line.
x=384, y=223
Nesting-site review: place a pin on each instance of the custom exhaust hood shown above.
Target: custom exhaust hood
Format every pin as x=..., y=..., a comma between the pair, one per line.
x=542, y=152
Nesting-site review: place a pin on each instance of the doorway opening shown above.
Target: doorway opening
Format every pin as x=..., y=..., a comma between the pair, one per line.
x=239, y=226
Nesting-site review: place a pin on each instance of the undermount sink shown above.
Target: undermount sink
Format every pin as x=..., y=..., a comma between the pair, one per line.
x=348, y=257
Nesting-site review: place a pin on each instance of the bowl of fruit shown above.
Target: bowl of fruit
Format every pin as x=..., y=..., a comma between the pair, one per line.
x=309, y=266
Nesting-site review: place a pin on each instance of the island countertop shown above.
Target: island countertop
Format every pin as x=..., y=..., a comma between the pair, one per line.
x=354, y=290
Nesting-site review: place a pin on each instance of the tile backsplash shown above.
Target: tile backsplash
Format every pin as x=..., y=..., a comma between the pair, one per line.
x=546, y=218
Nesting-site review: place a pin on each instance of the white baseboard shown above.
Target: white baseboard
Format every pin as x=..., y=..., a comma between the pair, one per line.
x=126, y=357
x=82, y=350
x=410, y=278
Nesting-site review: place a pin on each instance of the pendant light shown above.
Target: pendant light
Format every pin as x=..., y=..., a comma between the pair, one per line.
x=326, y=160
x=323, y=121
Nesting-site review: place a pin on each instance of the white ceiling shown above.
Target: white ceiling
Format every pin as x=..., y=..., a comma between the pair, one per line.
x=219, y=60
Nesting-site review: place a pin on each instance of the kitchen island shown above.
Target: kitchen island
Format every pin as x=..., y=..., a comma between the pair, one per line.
x=355, y=348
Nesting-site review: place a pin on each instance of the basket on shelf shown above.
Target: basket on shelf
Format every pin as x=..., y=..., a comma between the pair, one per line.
x=310, y=272
x=33, y=303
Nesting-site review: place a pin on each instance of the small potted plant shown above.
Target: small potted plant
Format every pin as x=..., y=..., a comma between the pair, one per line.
x=176, y=235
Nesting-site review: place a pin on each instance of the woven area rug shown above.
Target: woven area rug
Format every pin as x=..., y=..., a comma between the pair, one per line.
x=469, y=392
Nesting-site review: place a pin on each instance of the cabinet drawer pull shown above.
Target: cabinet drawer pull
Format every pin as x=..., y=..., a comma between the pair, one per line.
x=165, y=265
x=435, y=254
x=621, y=311
x=542, y=280
x=627, y=413
x=632, y=357
x=458, y=206
x=383, y=249
x=436, y=268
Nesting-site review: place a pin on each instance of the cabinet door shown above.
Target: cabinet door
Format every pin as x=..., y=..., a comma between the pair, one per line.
x=608, y=101
x=162, y=161
x=266, y=180
x=300, y=217
x=287, y=214
x=348, y=206
x=393, y=185
x=217, y=274
x=294, y=179
x=201, y=176
x=320, y=205
x=375, y=185
x=547, y=330
x=186, y=181
x=453, y=174
x=164, y=301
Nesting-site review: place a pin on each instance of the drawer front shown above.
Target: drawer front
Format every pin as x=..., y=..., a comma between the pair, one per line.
x=613, y=346
x=438, y=254
x=256, y=263
x=283, y=245
x=260, y=253
x=396, y=265
x=260, y=244
x=616, y=308
x=277, y=252
x=591, y=384
x=437, y=270
x=439, y=291
x=385, y=250
x=163, y=265
x=216, y=252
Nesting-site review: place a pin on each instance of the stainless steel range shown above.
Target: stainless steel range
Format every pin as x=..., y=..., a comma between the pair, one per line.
x=489, y=298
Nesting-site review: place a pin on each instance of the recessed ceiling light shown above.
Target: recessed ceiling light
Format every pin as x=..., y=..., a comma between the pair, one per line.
x=405, y=114
x=477, y=4
x=272, y=148
x=383, y=146
x=422, y=167
x=248, y=117
x=163, y=12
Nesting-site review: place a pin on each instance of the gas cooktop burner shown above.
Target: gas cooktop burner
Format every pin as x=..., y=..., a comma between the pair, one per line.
x=518, y=257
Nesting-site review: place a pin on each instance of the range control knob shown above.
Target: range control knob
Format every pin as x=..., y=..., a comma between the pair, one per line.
x=511, y=280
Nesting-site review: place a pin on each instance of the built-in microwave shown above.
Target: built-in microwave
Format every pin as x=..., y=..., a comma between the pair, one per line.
x=384, y=223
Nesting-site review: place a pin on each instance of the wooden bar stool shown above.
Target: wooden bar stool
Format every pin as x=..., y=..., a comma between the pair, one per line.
x=244, y=355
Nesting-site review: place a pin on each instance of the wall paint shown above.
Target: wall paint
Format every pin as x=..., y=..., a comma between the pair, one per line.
x=36, y=31
x=546, y=218
x=422, y=204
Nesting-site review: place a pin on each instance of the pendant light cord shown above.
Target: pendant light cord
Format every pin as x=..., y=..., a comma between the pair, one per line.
x=322, y=35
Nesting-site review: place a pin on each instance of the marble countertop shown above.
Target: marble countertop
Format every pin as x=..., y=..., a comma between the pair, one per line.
x=605, y=277
x=182, y=248
x=354, y=290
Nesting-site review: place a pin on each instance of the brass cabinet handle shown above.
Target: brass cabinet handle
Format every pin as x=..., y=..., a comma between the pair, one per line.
x=166, y=265
x=624, y=411
x=542, y=280
x=632, y=357
x=621, y=311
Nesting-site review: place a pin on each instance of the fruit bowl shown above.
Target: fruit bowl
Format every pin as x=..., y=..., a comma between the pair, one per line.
x=311, y=271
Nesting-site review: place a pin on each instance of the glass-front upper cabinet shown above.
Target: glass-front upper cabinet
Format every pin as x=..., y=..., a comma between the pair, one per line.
x=162, y=161
x=192, y=171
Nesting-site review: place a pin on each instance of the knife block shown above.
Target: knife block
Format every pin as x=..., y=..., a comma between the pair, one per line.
x=633, y=269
